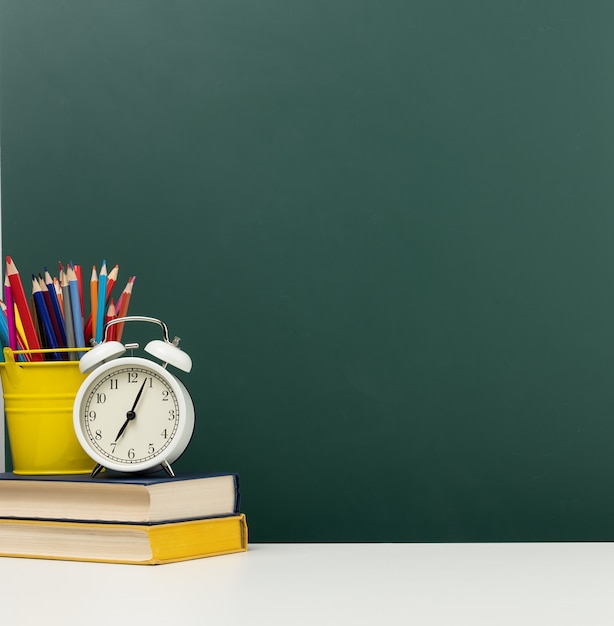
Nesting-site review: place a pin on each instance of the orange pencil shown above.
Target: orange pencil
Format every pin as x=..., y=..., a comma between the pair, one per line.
x=21, y=302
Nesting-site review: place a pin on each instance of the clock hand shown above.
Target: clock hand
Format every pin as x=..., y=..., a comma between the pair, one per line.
x=138, y=395
x=130, y=415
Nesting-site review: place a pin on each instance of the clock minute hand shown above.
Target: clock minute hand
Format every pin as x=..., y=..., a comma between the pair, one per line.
x=131, y=414
x=138, y=395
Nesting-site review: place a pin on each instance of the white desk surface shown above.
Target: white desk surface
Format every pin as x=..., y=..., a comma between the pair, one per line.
x=298, y=584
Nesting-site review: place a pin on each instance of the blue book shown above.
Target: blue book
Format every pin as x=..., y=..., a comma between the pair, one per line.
x=119, y=498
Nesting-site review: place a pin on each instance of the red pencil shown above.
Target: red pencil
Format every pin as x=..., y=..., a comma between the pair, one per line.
x=19, y=296
x=111, y=280
x=123, y=302
x=111, y=315
x=79, y=276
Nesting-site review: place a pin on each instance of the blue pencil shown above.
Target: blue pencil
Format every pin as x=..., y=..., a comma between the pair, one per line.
x=102, y=297
x=43, y=314
x=57, y=311
x=75, y=303
x=70, y=327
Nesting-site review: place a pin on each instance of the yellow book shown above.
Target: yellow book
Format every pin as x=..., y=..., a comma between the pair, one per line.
x=142, y=544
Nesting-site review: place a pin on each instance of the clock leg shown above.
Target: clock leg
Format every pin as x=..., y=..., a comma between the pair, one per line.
x=168, y=468
x=96, y=470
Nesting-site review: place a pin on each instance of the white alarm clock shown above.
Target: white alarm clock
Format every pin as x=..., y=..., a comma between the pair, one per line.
x=131, y=414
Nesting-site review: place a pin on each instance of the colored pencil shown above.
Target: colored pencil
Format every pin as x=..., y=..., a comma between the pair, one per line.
x=4, y=333
x=102, y=293
x=58, y=292
x=4, y=327
x=90, y=326
x=123, y=307
x=57, y=309
x=19, y=297
x=79, y=277
x=121, y=295
x=21, y=333
x=19, y=357
x=111, y=315
x=43, y=316
x=91, y=321
x=38, y=325
x=42, y=333
x=55, y=323
x=75, y=305
x=111, y=280
x=70, y=327
x=10, y=314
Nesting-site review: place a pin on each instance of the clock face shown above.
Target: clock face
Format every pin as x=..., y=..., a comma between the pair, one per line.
x=130, y=414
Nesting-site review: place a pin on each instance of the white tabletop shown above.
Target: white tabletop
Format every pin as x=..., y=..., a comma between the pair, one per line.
x=300, y=584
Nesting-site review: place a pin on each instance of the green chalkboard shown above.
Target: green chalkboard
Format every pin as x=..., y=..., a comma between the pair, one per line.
x=383, y=230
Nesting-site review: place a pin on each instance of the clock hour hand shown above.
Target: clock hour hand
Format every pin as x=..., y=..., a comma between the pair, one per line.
x=131, y=414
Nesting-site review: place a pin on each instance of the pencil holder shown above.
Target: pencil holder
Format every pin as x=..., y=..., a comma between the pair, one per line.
x=38, y=404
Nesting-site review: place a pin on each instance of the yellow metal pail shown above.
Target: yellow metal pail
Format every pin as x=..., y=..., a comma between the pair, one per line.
x=38, y=404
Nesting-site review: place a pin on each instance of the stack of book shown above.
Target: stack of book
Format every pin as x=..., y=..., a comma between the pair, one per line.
x=117, y=518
